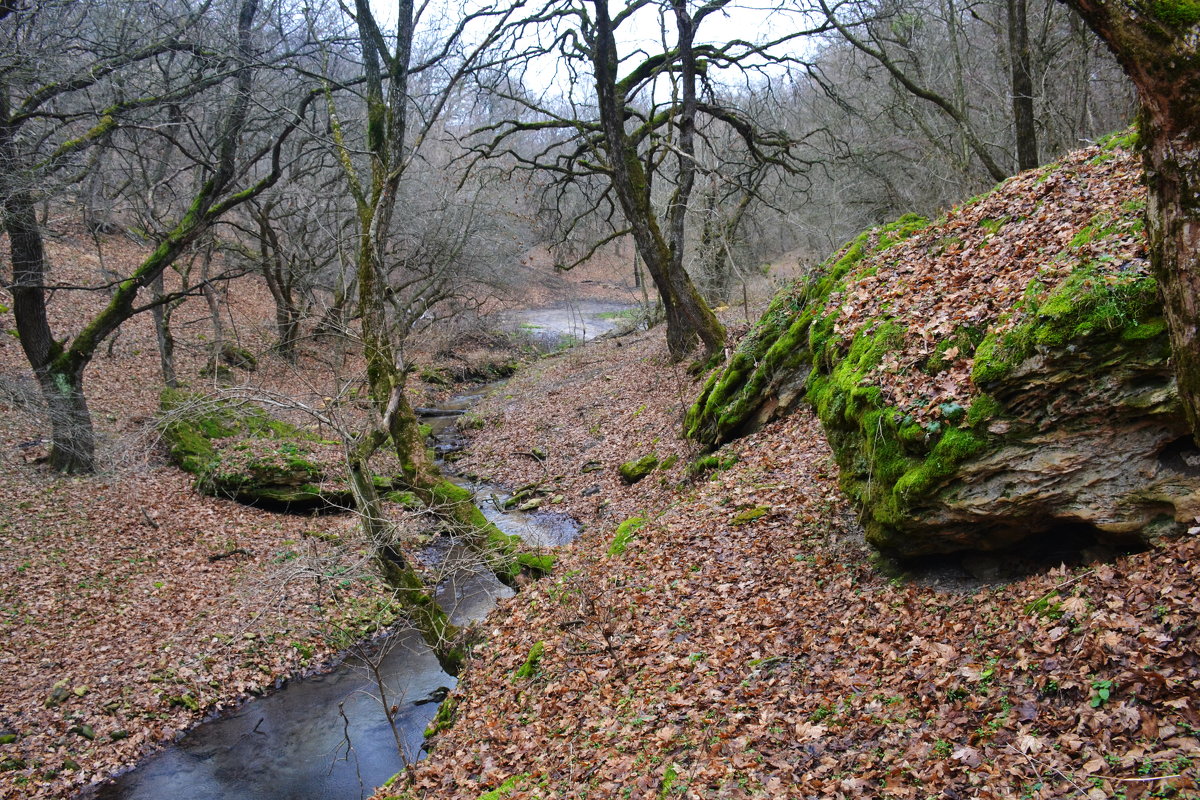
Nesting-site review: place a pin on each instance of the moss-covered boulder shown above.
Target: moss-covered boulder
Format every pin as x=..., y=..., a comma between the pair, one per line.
x=237, y=451
x=1000, y=374
x=633, y=471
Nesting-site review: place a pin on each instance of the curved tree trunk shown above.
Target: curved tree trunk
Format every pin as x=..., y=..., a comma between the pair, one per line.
x=60, y=377
x=59, y=365
x=688, y=317
x=73, y=444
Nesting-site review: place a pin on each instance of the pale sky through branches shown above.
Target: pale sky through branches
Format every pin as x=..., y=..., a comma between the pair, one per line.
x=649, y=30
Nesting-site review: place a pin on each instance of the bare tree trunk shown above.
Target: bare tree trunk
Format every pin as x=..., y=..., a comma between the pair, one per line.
x=162, y=332
x=60, y=378
x=280, y=284
x=1022, y=85
x=59, y=365
x=688, y=317
x=213, y=298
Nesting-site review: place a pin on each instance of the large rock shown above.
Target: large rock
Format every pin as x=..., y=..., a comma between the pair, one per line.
x=999, y=376
x=239, y=452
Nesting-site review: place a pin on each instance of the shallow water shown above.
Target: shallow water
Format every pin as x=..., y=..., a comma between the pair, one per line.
x=322, y=738
x=327, y=737
x=551, y=327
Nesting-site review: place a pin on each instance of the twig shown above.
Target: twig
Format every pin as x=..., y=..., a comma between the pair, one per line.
x=228, y=553
x=1062, y=585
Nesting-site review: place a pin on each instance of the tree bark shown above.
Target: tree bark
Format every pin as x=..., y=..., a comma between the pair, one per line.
x=280, y=280
x=59, y=376
x=161, y=313
x=688, y=317
x=58, y=365
x=1024, y=121
x=1173, y=228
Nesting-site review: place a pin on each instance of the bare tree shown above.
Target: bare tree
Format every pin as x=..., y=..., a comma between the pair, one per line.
x=47, y=121
x=637, y=132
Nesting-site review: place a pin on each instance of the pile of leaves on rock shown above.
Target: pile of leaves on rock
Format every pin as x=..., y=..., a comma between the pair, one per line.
x=720, y=631
x=733, y=640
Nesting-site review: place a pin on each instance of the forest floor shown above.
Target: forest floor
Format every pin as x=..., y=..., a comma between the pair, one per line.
x=132, y=606
x=740, y=643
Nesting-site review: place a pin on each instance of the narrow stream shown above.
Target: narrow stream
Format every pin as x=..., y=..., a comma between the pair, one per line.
x=326, y=737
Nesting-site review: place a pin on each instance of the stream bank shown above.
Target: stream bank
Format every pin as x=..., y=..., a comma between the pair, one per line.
x=329, y=736
x=339, y=734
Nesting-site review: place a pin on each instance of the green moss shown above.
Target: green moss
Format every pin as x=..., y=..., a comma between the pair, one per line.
x=711, y=463
x=435, y=377
x=624, y=535
x=749, y=515
x=470, y=421
x=1143, y=330
x=533, y=663
x=239, y=357
x=890, y=461
x=1102, y=225
x=192, y=425
x=537, y=565
x=796, y=325
x=961, y=344
x=443, y=719
x=1176, y=13
x=993, y=226
x=505, y=789
x=954, y=447
x=445, y=492
x=633, y=471
x=983, y=408
x=1126, y=139
x=406, y=499
x=506, y=554
x=1085, y=306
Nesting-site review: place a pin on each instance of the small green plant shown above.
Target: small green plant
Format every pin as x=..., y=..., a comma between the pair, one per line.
x=822, y=712
x=1048, y=606
x=669, y=780
x=533, y=662
x=505, y=789
x=1102, y=691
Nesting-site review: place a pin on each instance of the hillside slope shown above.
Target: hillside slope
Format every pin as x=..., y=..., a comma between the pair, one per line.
x=739, y=644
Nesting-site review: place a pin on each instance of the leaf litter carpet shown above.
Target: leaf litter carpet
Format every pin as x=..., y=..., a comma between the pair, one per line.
x=727, y=654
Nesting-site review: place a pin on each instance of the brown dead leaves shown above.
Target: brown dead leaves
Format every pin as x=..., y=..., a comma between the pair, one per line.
x=973, y=268
x=767, y=659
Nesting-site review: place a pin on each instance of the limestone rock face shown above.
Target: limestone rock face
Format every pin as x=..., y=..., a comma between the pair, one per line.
x=1000, y=376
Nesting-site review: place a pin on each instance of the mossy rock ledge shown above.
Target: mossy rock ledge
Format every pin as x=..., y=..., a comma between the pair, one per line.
x=1055, y=412
x=239, y=452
